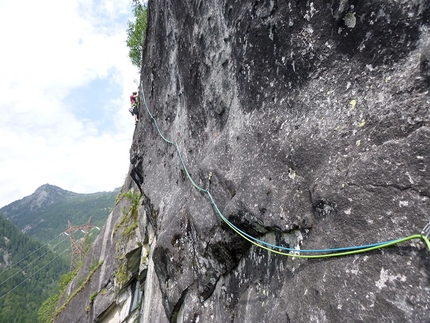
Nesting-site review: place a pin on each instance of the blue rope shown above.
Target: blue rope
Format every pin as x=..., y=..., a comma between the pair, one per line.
x=261, y=242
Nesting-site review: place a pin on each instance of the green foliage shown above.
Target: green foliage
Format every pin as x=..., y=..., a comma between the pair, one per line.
x=82, y=285
x=122, y=275
x=93, y=296
x=136, y=33
x=37, y=298
x=48, y=221
x=30, y=276
x=129, y=220
x=45, y=313
x=119, y=197
x=128, y=223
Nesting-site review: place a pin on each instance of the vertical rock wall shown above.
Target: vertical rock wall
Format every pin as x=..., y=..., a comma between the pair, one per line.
x=308, y=121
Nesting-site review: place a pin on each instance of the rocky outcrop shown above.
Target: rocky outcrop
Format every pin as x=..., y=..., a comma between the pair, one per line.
x=308, y=121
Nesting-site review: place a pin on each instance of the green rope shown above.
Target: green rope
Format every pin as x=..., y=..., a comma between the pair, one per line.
x=297, y=253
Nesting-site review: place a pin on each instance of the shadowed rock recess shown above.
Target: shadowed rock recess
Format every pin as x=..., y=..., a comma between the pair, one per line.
x=308, y=121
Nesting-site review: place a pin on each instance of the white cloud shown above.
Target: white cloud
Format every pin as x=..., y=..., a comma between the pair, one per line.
x=51, y=48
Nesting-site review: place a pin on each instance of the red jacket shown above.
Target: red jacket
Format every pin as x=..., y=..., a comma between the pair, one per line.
x=133, y=99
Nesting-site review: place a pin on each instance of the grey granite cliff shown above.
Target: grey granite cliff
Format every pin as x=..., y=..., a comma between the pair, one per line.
x=308, y=121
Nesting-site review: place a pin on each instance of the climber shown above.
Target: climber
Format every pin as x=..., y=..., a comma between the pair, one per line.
x=133, y=110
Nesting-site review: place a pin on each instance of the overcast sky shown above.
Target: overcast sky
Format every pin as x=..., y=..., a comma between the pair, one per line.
x=65, y=81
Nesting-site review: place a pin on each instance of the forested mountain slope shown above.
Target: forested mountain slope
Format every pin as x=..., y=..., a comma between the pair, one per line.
x=29, y=272
x=45, y=213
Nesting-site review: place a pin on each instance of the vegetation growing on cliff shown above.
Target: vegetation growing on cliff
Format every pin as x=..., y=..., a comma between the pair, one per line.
x=81, y=284
x=129, y=219
x=45, y=313
x=127, y=225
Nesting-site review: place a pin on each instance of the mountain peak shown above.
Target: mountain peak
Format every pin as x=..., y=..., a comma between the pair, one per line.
x=49, y=189
x=47, y=186
x=45, y=212
x=44, y=195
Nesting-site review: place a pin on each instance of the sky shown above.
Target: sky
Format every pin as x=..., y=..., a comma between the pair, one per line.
x=65, y=82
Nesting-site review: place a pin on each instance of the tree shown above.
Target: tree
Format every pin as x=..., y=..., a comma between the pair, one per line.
x=136, y=33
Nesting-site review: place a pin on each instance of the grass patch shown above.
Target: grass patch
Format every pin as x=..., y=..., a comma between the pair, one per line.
x=75, y=292
x=45, y=313
x=130, y=216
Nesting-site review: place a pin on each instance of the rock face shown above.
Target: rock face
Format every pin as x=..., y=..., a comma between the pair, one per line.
x=308, y=121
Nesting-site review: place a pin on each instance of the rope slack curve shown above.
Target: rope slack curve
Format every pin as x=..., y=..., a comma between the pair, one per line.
x=285, y=251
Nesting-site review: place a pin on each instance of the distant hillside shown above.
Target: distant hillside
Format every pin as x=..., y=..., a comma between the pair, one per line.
x=28, y=273
x=45, y=213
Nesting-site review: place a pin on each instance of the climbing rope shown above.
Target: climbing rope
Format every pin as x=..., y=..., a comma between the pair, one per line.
x=285, y=251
